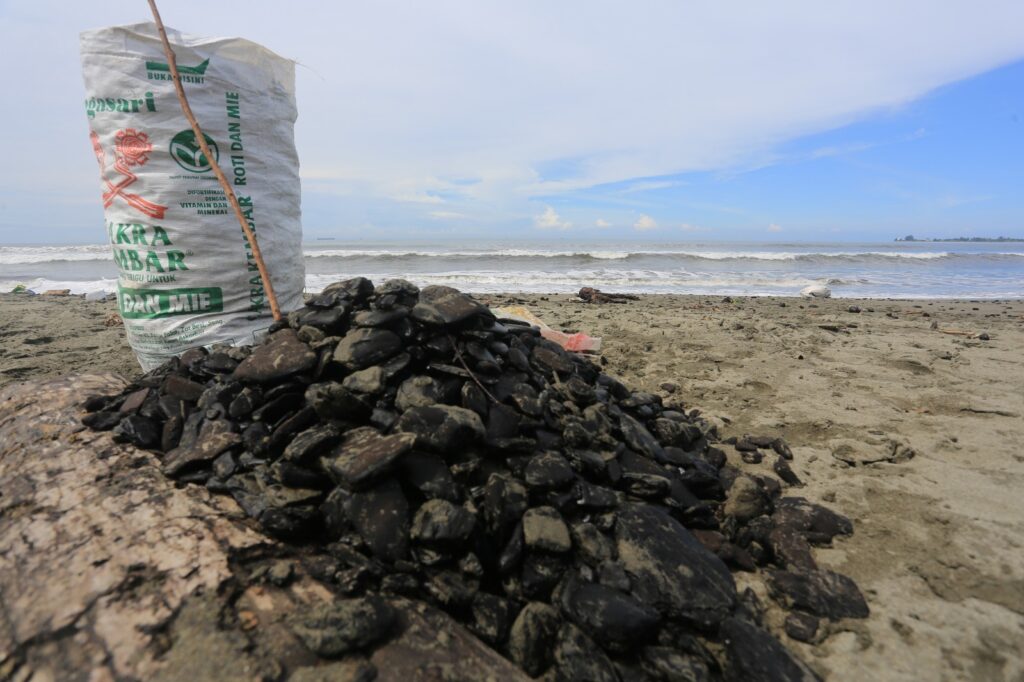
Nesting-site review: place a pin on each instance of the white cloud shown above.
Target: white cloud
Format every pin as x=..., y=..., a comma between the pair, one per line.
x=496, y=91
x=774, y=228
x=447, y=215
x=550, y=220
x=601, y=222
x=645, y=222
x=687, y=227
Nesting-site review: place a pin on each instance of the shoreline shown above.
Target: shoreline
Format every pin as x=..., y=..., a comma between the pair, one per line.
x=916, y=435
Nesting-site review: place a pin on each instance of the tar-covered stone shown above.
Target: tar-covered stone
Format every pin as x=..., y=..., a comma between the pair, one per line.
x=283, y=356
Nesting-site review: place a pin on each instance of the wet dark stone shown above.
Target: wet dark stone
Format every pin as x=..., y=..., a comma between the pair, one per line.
x=215, y=438
x=441, y=428
x=670, y=569
x=491, y=617
x=639, y=438
x=440, y=305
x=381, y=517
x=676, y=433
x=245, y=402
x=591, y=545
x=342, y=626
x=577, y=658
x=102, y=421
x=170, y=434
x=332, y=401
x=362, y=348
x=281, y=357
x=441, y=523
x=137, y=430
x=820, y=593
x=331, y=321
x=311, y=443
x=666, y=664
x=782, y=448
x=365, y=455
x=791, y=549
x=356, y=289
x=753, y=654
x=505, y=500
x=545, y=530
x=182, y=388
x=548, y=471
x=802, y=627
x=429, y=474
x=555, y=360
x=369, y=381
x=785, y=472
x=220, y=363
x=419, y=391
x=818, y=524
x=614, y=619
x=532, y=637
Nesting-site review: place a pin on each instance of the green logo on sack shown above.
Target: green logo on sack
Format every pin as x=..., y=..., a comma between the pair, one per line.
x=186, y=152
x=147, y=304
x=160, y=71
x=160, y=66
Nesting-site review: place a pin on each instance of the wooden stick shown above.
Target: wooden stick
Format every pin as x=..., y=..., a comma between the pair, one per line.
x=230, y=193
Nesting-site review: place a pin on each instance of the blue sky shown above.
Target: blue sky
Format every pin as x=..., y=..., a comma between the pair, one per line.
x=658, y=120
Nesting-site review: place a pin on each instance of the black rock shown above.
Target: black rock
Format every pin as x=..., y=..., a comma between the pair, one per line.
x=667, y=664
x=137, y=430
x=281, y=357
x=802, y=627
x=440, y=305
x=545, y=531
x=342, y=626
x=614, y=619
x=102, y=421
x=820, y=593
x=441, y=523
x=816, y=523
x=381, y=517
x=670, y=569
x=491, y=617
x=428, y=474
x=362, y=348
x=577, y=658
x=215, y=438
x=548, y=471
x=754, y=655
x=441, y=428
x=531, y=640
x=365, y=455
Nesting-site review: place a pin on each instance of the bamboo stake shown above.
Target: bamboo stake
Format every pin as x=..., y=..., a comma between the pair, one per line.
x=230, y=193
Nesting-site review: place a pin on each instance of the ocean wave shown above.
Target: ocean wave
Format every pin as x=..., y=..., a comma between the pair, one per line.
x=681, y=256
x=23, y=255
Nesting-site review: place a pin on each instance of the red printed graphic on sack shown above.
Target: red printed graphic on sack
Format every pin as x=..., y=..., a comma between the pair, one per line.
x=131, y=148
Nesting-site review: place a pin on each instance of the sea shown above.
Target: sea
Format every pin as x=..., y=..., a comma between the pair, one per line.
x=970, y=270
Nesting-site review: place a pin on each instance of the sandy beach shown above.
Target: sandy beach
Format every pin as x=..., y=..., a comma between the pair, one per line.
x=916, y=434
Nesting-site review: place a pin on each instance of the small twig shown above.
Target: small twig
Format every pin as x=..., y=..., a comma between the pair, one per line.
x=462, y=361
x=225, y=185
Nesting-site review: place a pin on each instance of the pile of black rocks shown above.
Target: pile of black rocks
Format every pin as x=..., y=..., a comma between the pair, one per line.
x=583, y=530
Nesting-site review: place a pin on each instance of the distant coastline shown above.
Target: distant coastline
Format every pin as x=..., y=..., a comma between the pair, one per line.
x=912, y=238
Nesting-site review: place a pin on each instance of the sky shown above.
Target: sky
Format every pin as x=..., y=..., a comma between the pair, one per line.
x=653, y=120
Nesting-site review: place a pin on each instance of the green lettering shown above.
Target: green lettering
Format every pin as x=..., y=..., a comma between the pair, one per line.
x=160, y=235
x=176, y=260
x=153, y=262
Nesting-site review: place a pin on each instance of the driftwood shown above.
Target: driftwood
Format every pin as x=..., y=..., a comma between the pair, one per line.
x=108, y=571
x=591, y=295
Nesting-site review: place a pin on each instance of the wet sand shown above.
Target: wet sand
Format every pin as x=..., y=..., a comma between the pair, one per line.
x=915, y=434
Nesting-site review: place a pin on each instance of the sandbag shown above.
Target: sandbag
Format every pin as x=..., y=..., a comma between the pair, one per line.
x=187, y=276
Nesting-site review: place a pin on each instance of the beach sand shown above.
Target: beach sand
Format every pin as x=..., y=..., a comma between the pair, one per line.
x=916, y=435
